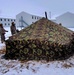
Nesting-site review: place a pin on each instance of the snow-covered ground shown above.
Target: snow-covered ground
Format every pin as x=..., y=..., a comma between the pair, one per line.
x=16, y=67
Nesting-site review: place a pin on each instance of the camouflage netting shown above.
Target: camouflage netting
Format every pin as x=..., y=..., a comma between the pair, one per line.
x=42, y=40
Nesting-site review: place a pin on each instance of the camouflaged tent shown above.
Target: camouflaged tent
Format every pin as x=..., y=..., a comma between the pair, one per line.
x=43, y=40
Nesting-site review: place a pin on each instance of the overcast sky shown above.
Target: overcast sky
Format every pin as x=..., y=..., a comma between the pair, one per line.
x=10, y=8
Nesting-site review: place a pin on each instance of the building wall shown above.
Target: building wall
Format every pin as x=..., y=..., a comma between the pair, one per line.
x=7, y=21
x=67, y=20
x=27, y=19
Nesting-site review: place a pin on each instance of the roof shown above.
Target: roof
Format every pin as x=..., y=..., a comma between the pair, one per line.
x=27, y=14
x=45, y=29
x=67, y=13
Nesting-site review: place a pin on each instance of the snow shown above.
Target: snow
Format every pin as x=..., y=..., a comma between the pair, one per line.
x=16, y=67
x=2, y=45
x=71, y=29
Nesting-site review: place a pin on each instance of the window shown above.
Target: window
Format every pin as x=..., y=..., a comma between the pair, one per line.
x=8, y=23
x=8, y=19
x=11, y=20
x=1, y=19
x=4, y=19
x=35, y=17
x=5, y=24
x=32, y=17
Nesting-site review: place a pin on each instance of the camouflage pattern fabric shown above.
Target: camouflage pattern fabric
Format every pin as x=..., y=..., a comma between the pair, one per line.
x=37, y=50
x=43, y=40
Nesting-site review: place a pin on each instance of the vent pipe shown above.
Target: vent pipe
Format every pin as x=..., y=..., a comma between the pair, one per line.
x=46, y=15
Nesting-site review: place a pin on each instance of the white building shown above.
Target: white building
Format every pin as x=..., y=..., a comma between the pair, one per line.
x=67, y=20
x=24, y=19
x=7, y=21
